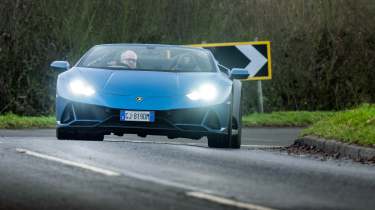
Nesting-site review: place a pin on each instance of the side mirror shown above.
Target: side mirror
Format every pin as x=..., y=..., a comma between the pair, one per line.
x=237, y=73
x=60, y=65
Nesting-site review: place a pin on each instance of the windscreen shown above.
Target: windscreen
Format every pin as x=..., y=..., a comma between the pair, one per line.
x=152, y=58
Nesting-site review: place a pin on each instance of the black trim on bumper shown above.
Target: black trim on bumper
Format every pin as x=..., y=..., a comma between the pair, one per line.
x=189, y=123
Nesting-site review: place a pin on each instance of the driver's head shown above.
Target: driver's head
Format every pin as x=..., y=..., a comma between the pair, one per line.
x=129, y=58
x=186, y=62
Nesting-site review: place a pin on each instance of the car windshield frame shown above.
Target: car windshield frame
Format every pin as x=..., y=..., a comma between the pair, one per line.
x=175, y=53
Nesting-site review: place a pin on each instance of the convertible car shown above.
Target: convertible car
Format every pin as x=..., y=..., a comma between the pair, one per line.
x=144, y=89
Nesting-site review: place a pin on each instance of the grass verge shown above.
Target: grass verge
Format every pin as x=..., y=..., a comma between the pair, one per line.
x=10, y=121
x=352, y=126
x=295, y=118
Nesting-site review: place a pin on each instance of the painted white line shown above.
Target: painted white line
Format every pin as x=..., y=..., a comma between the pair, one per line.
x=256, y=146
x=68, y=162
x=162, y=181
x=111, y=173
x=226, y=201
x=158, y=142
x=194, y=191
x=261, y=146
x=133, y=141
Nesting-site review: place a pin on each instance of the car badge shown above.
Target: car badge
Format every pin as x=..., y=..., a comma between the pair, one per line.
x=139, y=99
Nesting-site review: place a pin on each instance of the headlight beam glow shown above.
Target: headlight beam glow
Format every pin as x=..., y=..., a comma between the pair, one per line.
x=206, y=92
x=79, y=87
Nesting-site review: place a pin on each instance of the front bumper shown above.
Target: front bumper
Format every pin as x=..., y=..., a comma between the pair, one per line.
x=188, y=123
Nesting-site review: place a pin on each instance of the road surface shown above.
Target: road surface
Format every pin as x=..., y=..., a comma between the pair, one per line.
x=39, y=172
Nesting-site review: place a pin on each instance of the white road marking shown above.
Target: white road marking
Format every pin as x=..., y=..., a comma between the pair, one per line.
x=226, y=201
x=261, y=146
x=194, y=191
x=68, y=162
x=255, y=146
x=111, y=173
x=162, y=181
x=157, y=142
x=259, y=139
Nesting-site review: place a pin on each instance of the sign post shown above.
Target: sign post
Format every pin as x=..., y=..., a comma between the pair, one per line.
x=260, y=96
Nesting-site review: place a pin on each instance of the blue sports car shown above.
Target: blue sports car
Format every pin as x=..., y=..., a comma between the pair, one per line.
x=146, y=89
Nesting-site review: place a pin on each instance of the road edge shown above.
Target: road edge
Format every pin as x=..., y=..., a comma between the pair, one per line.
x=341, y=149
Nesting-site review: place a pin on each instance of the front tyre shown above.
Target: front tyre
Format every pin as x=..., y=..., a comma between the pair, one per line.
x=237, y=129
x=219, y=140
x=235, y=142
x=63, y=134
x=227, y=141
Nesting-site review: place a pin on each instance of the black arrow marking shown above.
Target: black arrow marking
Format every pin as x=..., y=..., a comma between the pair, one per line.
x=229, y=56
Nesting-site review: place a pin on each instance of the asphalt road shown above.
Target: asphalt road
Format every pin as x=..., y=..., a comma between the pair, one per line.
x=39, y=172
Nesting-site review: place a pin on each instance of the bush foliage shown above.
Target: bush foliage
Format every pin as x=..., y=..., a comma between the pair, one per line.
x=323, y=50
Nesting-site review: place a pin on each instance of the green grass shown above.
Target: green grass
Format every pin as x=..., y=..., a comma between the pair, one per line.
x=295, y=118
x=10, y=121
x=353, y=126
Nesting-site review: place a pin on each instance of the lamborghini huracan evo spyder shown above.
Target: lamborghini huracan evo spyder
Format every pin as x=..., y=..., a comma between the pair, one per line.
x=168, y=90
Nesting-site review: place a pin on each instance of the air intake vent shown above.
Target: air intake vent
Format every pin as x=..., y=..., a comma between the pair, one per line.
x=68, y=115
x=212, y=121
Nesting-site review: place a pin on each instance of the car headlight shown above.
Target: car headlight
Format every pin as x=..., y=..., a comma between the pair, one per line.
x=206, y=92
x=79, y=87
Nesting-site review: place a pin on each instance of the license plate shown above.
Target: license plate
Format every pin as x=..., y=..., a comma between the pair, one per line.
x=138, y=116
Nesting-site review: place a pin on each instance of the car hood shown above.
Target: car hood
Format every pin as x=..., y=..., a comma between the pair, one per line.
x=149, y=83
